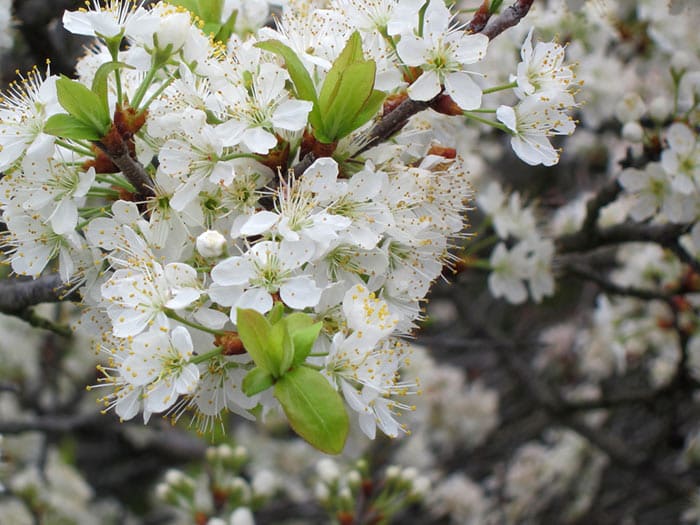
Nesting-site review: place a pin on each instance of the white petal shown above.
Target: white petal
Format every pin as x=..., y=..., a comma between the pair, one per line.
x=292, y=114
x=233, y=271
x=259, y=223
x=258, y=140
x=256, y=298
x=426, y=87
x=300, y=292
x=463, y=90
x=412, y=50
x=506, y=114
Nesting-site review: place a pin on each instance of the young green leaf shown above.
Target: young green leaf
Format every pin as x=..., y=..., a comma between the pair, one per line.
x=314, y=409
x=67, y=127
x=355, y=88
x=351, y=53
x=304, y=333
x=372, y=105
x=100, y=80
x=256, y=381
x=276, y=313
x=281, y=348
x=83, y=104
x=254, y=331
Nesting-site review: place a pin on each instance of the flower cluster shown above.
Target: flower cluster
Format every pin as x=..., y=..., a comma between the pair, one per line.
x=237, y=229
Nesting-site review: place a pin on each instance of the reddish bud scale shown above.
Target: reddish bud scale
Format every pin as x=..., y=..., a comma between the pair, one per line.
x=680, y=303
x=367, y=487
x=345, y=517
x=392, y=102
x=200, y=518
x=309, y=144
x=664, y=324
x=691, y=280
x=128, y=121
x=231, y=343
x=442, y=151
x=481, y=16
x=220, y=497
x=277, y=158
x=445, y=105
x=412, y=74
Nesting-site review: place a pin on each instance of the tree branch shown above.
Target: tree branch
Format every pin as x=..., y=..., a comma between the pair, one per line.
x=585, y=273
x=132, y=169
x=17, y=295
x=508, y=18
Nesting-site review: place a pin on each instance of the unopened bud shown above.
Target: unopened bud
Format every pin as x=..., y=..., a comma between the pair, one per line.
x=633, y=132
x=174, y=477
x=393, y=472
x=328, y=470
x=354, y=478
x=660, y=108
x=421, y=486
x=211, y=244
x=242, y=516
x=264, y=483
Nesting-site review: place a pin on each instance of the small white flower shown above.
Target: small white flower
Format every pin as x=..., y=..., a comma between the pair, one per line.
x=442, y=52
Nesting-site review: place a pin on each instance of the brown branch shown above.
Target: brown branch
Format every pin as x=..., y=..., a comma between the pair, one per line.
x=665, y=235
x=508, y=18
x=53, y=424
x=17, y=295
x=132, y=169
x=394, y=121
x=480, y=18
x=610, y=287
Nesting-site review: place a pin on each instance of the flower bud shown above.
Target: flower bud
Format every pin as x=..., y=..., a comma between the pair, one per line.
x=354, y=478
x=242, y=516
x=660, y=108
x=264, y=483
x=633, y=132
x=681, y=60
x=174, y=477
x=328, y=470
x=392, y=472
x=421, y=486
x=211, y=244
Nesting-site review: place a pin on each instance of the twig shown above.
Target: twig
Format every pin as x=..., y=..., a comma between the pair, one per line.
x=132, y=169
x=663, y=234
x=17, y=295
x=508, y=18
x=46, y=423
x=480, y=18
x=582, y=272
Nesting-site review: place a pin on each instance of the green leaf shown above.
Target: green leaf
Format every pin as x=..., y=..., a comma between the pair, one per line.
x=67, y=127
x=83, y=104
x=372, y=105
x=227, y=28
x=355, y=87
x=254, y=331
x=100, y=80
x=303, y=85
x=494, y=5
x=304, y=334
x=314, y=409
x=256, y=381
x=281, y=348
x=276, y=313
x=351, y=53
